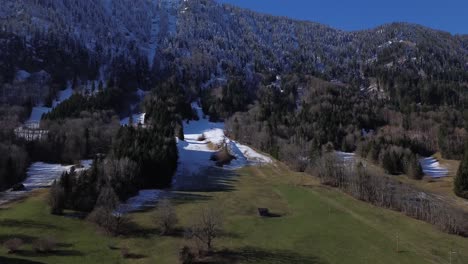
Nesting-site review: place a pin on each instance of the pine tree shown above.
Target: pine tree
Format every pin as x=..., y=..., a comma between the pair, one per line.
x=461, y=180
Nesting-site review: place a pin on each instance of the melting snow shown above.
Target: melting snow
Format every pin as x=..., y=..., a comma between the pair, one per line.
x=40, y=175
x=38, y=111
x=195, y=160
x=346, y=157
x=195, y=155
x=144, y=199
x=432, y=168
x=22, y=75
x=63, y=95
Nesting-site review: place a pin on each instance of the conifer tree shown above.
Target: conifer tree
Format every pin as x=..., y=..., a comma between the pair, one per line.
x=461, y=179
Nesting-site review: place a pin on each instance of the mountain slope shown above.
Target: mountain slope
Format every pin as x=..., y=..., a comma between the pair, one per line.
x=224, y=38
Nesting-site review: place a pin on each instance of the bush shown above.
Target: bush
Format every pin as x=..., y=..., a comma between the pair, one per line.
x=13, y=245
x=166, y=217
x=202, y=137
x=207, y=226
x=44, y=245
x=461, y=179
x=223, y=156
x=125, y=252
x=186, y=256
x=56, y=199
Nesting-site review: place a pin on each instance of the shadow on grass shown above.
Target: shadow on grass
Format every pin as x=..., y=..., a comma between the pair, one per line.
x=177, y=198
x=255, y=255
x=26, y=224
x=17, y=261
x=25, y=238
x=210, y=179
x=135, y=256
x=58, y=252
x=140, y=232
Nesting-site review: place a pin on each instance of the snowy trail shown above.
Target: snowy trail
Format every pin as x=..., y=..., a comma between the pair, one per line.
x=38, y=111
x=196, y=170
x=432, y=168
x=194, y=155
x=40, y=175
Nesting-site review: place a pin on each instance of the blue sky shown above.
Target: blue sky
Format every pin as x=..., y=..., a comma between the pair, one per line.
x=448, y=15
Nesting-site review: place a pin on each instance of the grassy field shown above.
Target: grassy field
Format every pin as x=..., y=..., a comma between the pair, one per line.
x=442, y=187
x=316, y=225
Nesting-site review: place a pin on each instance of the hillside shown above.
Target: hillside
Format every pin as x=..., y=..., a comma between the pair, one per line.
x=164, y=130
x=226, y=38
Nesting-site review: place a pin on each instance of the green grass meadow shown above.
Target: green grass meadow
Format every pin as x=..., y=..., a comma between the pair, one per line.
x=314, y=225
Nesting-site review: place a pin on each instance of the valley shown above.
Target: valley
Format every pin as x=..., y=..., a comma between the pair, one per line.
x=196, y=131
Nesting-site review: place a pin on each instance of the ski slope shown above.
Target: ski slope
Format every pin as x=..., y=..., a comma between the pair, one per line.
x=195, y=159
x=38, y=111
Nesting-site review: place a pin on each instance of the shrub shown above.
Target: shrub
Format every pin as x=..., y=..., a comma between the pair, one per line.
x=461, y=179
x=44, y=245
x=125, y=252
x=206, y=228
x=166, y=217
x=223, y=156
x=202, y=137
x=13, y=245
x=186, y=256
x=56, y=199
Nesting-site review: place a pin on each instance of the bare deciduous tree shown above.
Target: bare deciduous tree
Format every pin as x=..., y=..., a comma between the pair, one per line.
x=207, y=227
x=166, y=217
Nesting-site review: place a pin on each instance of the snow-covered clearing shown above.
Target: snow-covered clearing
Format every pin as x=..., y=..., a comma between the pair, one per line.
x=432, y=168
x=22, y=75
x=38, y=111
x=196, y=170
x=194, y=155
x=41, y=175
x=346, y=157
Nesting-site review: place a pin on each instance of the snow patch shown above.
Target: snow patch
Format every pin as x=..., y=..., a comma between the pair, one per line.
x=195, y=159
x=62, y=96
x=432, y=168
x=22, y=76
x=38, y=111
x=253, y=155
x=346, y=157
x=145, y=199
x=41, y=175
x=137, y=119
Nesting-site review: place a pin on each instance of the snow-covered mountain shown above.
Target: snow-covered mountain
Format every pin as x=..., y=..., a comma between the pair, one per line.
x=203, y=40
x=115, y=25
